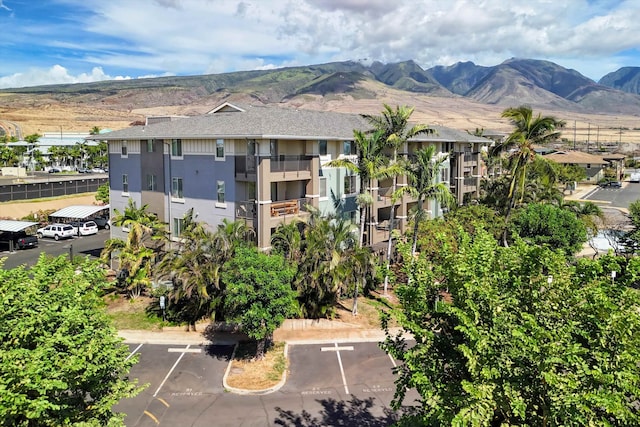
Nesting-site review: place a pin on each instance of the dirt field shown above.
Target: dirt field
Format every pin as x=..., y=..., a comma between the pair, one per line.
x=21, y=209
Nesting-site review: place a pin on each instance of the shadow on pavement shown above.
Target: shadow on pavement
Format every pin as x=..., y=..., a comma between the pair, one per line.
x=220, y=352
x=355, y=412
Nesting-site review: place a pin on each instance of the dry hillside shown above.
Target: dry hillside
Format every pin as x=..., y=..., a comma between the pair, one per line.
x=41, y=113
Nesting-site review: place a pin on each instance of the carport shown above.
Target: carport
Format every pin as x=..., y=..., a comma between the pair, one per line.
x=78, y=213
x=10, y=227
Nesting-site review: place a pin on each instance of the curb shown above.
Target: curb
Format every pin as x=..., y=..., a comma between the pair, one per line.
x=246, y=392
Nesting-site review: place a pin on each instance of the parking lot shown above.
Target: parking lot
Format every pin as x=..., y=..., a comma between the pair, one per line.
x=327, y=384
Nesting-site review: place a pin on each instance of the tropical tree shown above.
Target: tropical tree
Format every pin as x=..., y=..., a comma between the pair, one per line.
x=423, y=184
x=396, y=131
x=320, y=280
x=371, y=163
x=521, y=338
x=102, y=195
x=136, y=254
x=544, y=224
x=258, y=294
x=287, y=240
x=62, y=361
x=193, y=265
x=529, y=131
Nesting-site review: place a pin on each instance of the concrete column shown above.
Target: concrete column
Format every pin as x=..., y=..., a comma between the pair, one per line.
x=263, y=195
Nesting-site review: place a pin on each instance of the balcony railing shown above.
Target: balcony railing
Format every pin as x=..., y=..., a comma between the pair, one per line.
x=288, y=207
x=470, y=157
x=290, y=163
x=245, y=164
x=470, y=181
x=385, y=192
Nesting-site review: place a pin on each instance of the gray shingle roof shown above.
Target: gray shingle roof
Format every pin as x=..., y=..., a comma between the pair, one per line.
x=265, y=122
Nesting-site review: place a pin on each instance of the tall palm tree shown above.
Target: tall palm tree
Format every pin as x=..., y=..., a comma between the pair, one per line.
x=422, y=175
x=137, y=253
x=371, y=163
x=529, y=130
x=396, y=132
x=287, y=240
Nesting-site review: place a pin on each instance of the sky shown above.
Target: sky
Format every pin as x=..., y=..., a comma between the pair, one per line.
x=75, y=41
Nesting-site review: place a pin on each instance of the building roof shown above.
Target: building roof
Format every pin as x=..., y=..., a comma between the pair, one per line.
x=78, y=211
x=15, y=226
x=267, y=122
x=575, y=157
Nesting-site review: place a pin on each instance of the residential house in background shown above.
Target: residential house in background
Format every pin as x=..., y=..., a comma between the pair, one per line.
x=593, y=165
x=265, y=165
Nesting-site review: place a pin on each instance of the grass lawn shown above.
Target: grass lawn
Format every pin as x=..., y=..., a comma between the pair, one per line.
x=131, y=314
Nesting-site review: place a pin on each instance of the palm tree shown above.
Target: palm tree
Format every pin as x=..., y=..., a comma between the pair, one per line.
x=193, y=265
x=321, y=269
x=371, y=163
x=422, y=175
x=396, y=132
x=529, y=130
x=137, y=254
x=287, y=240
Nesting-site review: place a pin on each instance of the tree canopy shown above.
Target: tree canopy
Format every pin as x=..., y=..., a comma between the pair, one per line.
x=517, y=336
x=61, y=361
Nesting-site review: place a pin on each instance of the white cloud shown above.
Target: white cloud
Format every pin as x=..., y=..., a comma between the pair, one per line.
x=160, y=37
x=54, y=75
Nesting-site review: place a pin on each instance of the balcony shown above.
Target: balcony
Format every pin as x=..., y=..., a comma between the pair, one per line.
x=245, y=166
x=290, y=167
x=288, y=207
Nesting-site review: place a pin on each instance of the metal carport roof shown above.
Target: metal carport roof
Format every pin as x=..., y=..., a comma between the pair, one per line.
x=78, y=211
x=15, y=226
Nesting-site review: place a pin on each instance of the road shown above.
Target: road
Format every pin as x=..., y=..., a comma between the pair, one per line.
x=328, y=384
x=615, y=197
x=81, y=246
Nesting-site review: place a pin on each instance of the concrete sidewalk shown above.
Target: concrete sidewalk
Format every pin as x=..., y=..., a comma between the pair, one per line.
x=307, y=335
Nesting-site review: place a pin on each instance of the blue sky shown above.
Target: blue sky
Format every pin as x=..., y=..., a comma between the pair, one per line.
x=72, y=41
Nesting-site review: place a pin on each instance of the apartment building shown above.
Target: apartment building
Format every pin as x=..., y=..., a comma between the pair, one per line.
x=265, y=165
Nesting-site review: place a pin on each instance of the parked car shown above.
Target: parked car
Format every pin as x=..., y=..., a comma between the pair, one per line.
x=84, y=228
x=97, y=170
x=55, y=170
x=21, y=240
x=614, y=184
x=57, y=231
x=83, y=170
x=103, y=222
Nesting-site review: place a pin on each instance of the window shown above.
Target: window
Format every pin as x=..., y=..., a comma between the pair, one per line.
x=444, y=175
x=220, y=187
x=124, y=148
x=349, y=184
x=588, y=165
x=176, y=147
x=151, y=182
x=273, y=148
x=349, y=148
x=322, y=147
x=323, y=187
x=176, y=188
x=125, y=184
x=150, y=145
x=220, y=149
x=178, y=225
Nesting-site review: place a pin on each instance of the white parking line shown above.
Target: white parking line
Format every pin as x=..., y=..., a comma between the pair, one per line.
x=172, y=368
x=344, y=378
x=184, y=350
x=392, y=361
x=133, y=352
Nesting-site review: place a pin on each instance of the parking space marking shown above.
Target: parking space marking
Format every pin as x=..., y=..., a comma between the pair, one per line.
x=184, y=350
x=164, y=402
x=337, y=350
x=349, y=347
x=133, y=352
x=171, y=371
x=150, y=415
x=392, y=360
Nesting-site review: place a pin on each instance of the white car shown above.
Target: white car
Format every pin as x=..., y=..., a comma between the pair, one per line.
x=98, y=170
x=86, y=228
x=57, y=231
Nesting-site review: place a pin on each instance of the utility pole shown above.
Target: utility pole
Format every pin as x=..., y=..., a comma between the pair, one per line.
x=574, y=135
x=588, y=136
x=598, y=138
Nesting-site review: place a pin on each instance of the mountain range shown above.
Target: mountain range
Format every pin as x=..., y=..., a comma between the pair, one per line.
x=538, y=83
